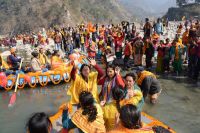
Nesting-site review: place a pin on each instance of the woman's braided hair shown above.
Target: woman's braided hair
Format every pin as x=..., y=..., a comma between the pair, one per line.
x=87, y=104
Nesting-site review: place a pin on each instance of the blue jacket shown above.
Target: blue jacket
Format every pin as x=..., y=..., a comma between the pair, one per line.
x=13, y=61
x=158, y=28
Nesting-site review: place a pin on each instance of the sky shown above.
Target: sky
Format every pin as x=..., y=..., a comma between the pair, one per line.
x=154, y=6
x=157, y=2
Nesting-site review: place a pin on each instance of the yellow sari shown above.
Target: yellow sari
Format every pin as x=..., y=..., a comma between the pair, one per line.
x=57, y=64
x=80, y=85
x=4, y=64
x=43, y=59
x=179, y=43
x=81, y=121
x=110, y=110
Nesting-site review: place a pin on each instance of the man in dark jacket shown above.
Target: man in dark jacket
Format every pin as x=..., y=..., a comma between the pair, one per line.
x=149, y=84
x=13, y=60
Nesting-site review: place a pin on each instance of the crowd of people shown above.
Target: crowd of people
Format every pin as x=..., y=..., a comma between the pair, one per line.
x=118, y=106
x=118, y=44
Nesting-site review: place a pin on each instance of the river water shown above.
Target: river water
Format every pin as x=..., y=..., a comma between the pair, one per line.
x=178, y=105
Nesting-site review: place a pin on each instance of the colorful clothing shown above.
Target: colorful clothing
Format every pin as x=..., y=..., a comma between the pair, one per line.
x=166, y=57
x=128, y=51
x=138, y=52
x=78, y=85
x=155, y=37
x=92, y=50
x=160, y=56
x=148, y=83
x=147, y=30
x=80, y=121
x=185, y=37
x=158, y=28
x=58, y=41
x=108, y=85
x=110, y=109
x=43, y=59
x=109, y=114
x=177, y=53
x=137, y=99
x=3, y=63
x=36, y=65
x=149, y=52
x=118, y=44
x=57, y=64
x=13, y=62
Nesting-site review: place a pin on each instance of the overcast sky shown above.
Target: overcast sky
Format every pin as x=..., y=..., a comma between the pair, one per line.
x=154, y=6
x=154, y=3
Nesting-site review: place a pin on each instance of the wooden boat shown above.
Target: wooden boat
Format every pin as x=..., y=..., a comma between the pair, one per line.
x=42, y=79
x=146, y=119
x=39, y=78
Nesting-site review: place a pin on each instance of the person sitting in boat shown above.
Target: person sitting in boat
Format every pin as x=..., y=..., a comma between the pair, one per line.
x=39, y=123
x=35, y=63
x=12, y=60
x=4, y=67
x=110, y=110
x=85, y=81
x=108, y=83
x=43, y=58
x=129, y=121
x=56, y=62
x=88, y=118
x=133, y=92
x=149, y=84
x=3, y=64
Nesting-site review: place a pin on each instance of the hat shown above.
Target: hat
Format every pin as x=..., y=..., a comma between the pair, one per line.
x=108, y=48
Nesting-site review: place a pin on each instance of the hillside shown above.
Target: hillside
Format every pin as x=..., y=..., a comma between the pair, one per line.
x=189, y=11
x=17, y=16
